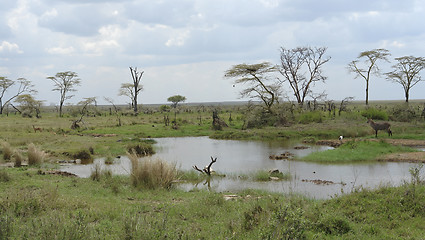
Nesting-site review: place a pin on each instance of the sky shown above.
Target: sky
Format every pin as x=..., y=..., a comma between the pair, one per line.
x=184, y=47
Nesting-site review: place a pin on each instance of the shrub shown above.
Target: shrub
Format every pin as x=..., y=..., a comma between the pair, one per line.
x=402, y=113
x=35, y=156
x=288, y=222
x=374, y=114
x=334, y=225
x=310, y=117
x=7, y=150
x=141, y=149
x=17, y=156
x=151, y=173
x=4, y=177
x=260, y=118
x=83, y=155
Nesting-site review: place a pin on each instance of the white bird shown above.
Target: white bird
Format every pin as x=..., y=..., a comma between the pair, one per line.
x=340, y=138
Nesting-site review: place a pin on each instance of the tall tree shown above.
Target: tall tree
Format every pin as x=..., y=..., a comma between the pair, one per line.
x=301, y=67
x=371, y=68
x=137, y=87
x=64, y=83
x=176, y=99
x=406, y=72
x=6, y=84
x=261, y=84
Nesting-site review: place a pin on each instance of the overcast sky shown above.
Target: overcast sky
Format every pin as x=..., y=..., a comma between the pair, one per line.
x=185, y=46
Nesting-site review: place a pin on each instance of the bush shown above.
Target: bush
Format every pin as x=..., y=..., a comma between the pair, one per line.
x=7, y=150
x=151, y=173
x=4, y=177
x=334, y=225
x=402, y=113
x=310, y=117
x=35, y=156
x=262, y=118
x=375, y=114
x=83, y=155
x=141, y=149
x=17, y=156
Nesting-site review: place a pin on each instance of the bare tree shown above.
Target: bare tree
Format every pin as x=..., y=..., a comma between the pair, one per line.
x=371, y=57
x=137, y=87
x=260, y=84
x=83, y=112
x=406, y=72
x=115, y=109
x=7, y=84
x=65, y=82
x=301, y=67
x=343, y=105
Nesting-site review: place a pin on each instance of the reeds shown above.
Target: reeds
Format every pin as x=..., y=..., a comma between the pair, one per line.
x=35, y=156
x=151, y=173
x=98, y=173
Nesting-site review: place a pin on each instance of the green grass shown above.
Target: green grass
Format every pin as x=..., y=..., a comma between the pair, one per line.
x=37, y=206
x=355, y=151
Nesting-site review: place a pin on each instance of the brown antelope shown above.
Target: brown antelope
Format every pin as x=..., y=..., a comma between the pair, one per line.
x=37, y=128
x=380, y=126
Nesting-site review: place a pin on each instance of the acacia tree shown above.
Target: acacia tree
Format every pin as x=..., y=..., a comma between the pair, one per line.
x=406, y=72
x=29, y=105
x=64, y=83
x=301, y=67
x=371, y=68
x=261, y=84
x=6, y=84
x=137, y=87
x=176, y=99
x=127, y=89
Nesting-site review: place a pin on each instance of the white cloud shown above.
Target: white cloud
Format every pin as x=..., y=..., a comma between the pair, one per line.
x=61, y=50
x=186, y=45
x=9, y=47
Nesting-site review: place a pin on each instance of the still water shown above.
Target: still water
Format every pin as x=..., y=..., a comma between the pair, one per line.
x=238, y=157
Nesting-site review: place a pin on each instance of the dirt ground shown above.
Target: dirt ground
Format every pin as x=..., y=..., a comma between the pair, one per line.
x=394, y=157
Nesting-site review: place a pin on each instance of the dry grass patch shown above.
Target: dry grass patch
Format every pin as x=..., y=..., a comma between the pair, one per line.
x=7, y=150
x=151, y=173
x=18, y=158
x=35, y=156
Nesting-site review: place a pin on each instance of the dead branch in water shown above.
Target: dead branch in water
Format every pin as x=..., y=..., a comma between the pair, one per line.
x=206, y=169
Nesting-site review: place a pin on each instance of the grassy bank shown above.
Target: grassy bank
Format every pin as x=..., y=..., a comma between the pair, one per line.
x=38, y=206
x=101, y=133
x=355, y=151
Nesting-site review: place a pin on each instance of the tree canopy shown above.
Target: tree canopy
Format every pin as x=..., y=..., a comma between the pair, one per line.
x=371, y=68
x=301, y=67
x=64, y=83
x=7, y=84
x=176, y=99
x=406, y=72
x=259, y=80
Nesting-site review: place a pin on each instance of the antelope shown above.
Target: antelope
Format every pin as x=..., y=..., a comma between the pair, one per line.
x=37, y=129
x=380, y=126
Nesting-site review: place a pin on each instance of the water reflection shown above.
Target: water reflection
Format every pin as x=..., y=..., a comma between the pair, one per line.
x=238, y=157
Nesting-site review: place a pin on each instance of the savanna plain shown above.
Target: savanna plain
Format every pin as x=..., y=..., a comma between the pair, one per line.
x=38, y=201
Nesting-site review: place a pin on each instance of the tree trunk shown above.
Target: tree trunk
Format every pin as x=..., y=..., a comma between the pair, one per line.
x=135, y=103
x=367, y=93
x=406, y=94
